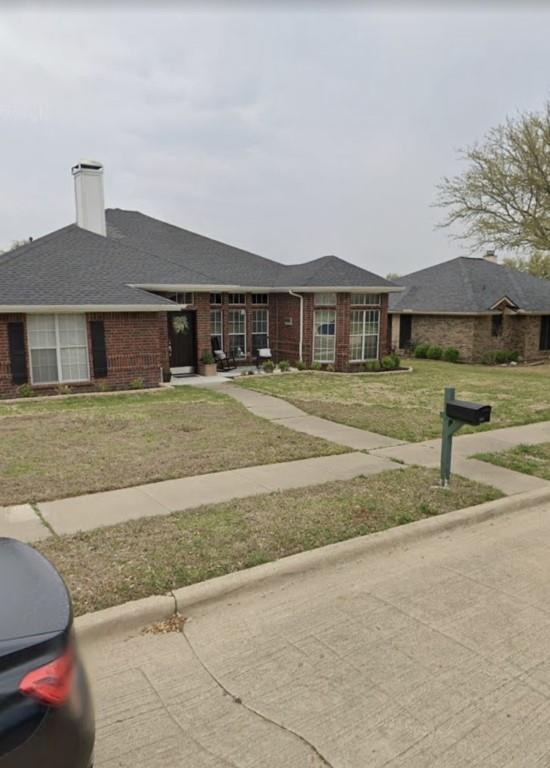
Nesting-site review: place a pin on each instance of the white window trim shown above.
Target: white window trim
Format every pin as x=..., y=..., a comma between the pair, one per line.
x=363, y=303
x=244, y=333
x=317, y=302
x=216, y=308
x=260, y=308
x=59, y=380
x=364, y=337
x=333, y=360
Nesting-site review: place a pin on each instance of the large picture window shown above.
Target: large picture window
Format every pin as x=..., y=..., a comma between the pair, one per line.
x=364, y=335
x=237, y=332
x=260, y=329
x=58, y=346
x=324, y=336
x=216, y=329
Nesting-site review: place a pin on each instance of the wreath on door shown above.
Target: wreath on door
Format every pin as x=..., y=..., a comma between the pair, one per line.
x=180, y=324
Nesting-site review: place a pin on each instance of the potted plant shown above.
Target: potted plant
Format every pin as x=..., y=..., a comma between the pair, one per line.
x=207, y=364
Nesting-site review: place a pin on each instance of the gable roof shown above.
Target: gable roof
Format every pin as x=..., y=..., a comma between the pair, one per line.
x=75, y=268
x=470, y=285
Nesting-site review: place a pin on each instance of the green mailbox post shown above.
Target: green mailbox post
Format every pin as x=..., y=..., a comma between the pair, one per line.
x=455, y=414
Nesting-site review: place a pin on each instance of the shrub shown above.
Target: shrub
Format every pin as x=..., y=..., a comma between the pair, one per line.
x=513, y=357
x=488, y=358
x=63, y=389
x=421, y=350
x=102, y=386
x=300, y=365
x=372, y=365
x=268, y=366
x=137, y=383
x=501, y=357
x=434, y=352
x=25, y=390
x=390, y=362
x=316, y=366
x=330, y=368
x=451, y=355
x=284, y=365
x=207, y=358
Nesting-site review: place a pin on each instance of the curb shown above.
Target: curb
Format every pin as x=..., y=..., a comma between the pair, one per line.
x=137, y=614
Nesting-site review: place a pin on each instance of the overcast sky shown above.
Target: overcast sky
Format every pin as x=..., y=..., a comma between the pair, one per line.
x=292, y=133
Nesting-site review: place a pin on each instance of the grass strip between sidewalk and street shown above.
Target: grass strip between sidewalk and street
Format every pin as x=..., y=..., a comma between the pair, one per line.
x=529, y=459
x=109, y=566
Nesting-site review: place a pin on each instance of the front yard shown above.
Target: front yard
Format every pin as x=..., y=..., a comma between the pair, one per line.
x=57, y=448
x=109, y=566
x=407, y=406
x=529, y=459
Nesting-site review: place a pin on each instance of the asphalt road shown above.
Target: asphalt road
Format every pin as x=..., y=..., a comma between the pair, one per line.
x=435, y=654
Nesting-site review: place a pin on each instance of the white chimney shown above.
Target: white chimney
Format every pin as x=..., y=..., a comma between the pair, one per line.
x=491, y=256
x=88, y=189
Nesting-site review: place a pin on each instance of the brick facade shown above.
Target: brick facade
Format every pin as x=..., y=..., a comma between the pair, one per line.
x=472, y=334
x=134, y=344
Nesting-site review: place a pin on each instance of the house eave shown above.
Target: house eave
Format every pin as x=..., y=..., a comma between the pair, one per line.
x=29, y=309
x=216, y=288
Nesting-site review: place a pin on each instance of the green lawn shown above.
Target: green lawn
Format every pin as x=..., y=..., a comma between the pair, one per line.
x=109, y=566
x=56, y=448
x=406, y=406
x=529, y=459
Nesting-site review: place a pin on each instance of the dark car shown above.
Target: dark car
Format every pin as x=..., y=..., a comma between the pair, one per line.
x=46, y=713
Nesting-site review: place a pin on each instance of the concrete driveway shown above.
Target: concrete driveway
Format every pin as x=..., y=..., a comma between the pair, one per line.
x=433, y=654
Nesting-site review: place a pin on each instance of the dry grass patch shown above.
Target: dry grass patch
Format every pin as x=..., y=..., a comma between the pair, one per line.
x=51, y=450
x=407, y=406
x=153, y=555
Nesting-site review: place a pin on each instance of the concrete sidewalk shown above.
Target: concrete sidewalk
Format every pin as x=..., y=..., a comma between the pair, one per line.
x=427, y=654
x=95, y=510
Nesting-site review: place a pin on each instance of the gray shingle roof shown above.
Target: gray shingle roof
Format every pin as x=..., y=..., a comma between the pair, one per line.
x=74, y=267
x=467, y=284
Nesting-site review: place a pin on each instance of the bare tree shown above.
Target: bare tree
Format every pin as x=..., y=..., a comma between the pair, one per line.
x=502, y=199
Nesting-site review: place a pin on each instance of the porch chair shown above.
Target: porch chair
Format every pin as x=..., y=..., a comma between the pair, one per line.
x=224, y=362
x=263, y=354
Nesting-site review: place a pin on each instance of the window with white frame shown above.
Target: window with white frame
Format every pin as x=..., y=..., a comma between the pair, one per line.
x=58, y=347
x=259, y=298
x=324, y=336
x=364, y=334
x=324, y=299
x=237, y=332
x=216, y=329
x=365, y=299
x=260, y=329
x=236, y=298
x=215, y=298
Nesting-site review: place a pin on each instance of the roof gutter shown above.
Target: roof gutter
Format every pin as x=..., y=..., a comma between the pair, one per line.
x=300, y=347
x=75, y=308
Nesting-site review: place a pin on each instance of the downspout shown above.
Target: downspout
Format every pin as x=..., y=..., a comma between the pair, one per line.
x=299, y=296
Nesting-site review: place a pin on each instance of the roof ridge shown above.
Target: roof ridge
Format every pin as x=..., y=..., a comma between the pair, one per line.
x=9, y=255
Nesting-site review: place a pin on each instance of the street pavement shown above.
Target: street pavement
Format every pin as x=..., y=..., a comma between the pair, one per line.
x=432, y=653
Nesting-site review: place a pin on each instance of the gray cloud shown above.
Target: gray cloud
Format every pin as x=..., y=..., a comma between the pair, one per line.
x=293, y=133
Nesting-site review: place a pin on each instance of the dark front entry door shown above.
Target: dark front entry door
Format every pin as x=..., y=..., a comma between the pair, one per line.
x=405, y=331
x=182, y=336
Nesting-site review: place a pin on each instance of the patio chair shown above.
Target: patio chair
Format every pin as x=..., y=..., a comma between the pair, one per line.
x=223, y=361
x=262, y=356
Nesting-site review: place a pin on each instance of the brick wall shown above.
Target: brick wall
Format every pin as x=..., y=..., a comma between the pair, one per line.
x=511, y=339
x=445, y=331
x=531, y=338
x=134, y=348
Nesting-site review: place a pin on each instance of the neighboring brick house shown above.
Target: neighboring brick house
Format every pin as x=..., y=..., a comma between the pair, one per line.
x=120, y=298
x=475, y=305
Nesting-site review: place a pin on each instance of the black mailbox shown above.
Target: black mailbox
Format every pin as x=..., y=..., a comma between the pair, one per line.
x=469, y=413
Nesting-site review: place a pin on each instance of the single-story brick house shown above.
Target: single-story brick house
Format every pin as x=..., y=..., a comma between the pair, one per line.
x=120, y=296
x=476, y=305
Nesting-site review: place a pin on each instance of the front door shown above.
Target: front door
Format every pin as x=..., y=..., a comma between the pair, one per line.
x=405, y=331
x=183, y=344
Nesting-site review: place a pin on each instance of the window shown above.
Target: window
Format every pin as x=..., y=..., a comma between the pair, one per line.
x=324, y=336
x=259, y=298
x=237, y=332
x=236, y=298
x=363, y=339
x=58, y=346
x=544, y=332
x=179, y=298
x=496, y=325
x=325, y=299
x=216, y=329
x=215, y=298
x=260, y=329
x=366, y=299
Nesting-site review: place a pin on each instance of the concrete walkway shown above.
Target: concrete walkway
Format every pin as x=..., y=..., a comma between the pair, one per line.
x=430, y=654
x=95, y=510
